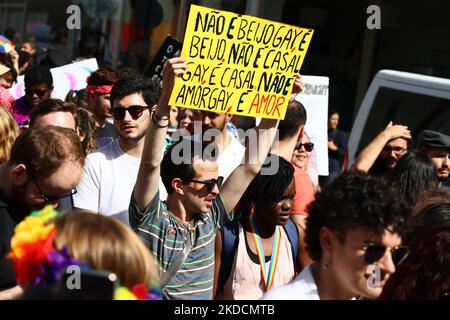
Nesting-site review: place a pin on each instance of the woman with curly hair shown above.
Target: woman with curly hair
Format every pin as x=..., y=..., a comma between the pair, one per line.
x=8, y=134
x=354, y=234
x=86, y=130
x=424, y=274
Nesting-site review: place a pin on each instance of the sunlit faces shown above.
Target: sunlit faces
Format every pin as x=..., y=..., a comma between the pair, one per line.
x=196, y=196
x=59, y=119
x=28, y=197
x=348, y=262
x=301, y=156
x=130, y=129
x=333, y=121
x=6, y=80
x=100, y=105
x=27, y=47
x=212, y=120
x=280, y=212
x=187, y=120
x=441, y=160
x=393, y=151
x=35, y=93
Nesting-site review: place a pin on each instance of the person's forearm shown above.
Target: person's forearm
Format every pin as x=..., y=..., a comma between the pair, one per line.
x=147, y=182
x=265, y=133
x=367, y=157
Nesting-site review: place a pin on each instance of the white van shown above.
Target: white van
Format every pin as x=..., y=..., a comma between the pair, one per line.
x=418, y=101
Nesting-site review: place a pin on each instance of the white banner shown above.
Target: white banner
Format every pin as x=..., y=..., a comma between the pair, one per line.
x=69, y=77
x=315, y=99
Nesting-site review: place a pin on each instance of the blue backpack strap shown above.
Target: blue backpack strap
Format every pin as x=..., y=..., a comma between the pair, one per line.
x=230, y=241
x=292, y=232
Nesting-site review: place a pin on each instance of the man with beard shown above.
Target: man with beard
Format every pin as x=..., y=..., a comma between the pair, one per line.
x=110, y=172
x=381, y=155
x=45, y=166
x=214, y=129
x=436, y=146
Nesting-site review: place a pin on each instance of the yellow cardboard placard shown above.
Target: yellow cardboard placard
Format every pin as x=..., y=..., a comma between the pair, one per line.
x=239, y=64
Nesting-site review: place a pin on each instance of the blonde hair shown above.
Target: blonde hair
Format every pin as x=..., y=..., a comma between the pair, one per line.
x=106, y=244
x=8, y=134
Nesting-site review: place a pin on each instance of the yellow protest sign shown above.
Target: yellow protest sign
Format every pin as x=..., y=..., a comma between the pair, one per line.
x=239, y=64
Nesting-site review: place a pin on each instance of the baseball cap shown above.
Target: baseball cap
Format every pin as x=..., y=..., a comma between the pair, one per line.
x=433, y=139
x=3, y=69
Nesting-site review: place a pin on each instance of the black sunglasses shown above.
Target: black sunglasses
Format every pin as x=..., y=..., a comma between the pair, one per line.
x=309, y=146
x=53, y=198
x=134, y=111
x=39, y=93
x=209, y=183
x=374, y=252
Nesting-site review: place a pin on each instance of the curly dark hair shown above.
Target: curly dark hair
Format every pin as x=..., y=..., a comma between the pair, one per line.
x=355, y=199
x=266, y=190
x=424, y=274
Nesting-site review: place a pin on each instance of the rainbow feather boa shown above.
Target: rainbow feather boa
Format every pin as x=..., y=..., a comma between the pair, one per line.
x=36, y=261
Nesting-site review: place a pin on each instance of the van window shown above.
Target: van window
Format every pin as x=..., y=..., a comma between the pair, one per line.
x=417, y=111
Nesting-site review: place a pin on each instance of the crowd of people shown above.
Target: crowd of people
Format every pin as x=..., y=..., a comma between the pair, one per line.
x=152, y=201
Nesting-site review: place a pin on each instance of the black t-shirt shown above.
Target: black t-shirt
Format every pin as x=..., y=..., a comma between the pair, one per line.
x=7, y=225
x=105, y=135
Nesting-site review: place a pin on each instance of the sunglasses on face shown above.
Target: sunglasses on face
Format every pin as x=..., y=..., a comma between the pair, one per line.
x=39, y=93
x=309, y=146
x=53, y=198
x=374, y=252
x=134, y=111
x=209, y=183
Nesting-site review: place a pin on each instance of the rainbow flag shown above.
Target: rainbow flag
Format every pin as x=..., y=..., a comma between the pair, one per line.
x=5, y=44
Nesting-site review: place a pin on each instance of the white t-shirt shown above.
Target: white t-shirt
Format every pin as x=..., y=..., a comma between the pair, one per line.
x=231, y=157
x=107, y=182
x=303, y=287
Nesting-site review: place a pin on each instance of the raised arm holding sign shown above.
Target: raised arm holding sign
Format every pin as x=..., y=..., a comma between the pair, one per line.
x=239, y=64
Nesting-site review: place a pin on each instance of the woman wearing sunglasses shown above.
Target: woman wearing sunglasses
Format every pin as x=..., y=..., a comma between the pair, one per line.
x=423, y=275
x=354, y=235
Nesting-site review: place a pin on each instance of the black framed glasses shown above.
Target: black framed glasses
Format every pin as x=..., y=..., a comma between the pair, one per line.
x=209, y=183
x=374, y=252
x=134, y=111
x=48, y=198
x=309, y=146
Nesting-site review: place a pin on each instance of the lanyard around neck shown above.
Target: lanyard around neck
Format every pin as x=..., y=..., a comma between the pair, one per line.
x=268, y=275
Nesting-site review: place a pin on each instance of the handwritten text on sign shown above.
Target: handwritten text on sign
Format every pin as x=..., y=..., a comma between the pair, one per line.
x=239, y=64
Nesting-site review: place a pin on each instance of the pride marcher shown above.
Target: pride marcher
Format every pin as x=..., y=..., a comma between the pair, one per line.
x=180, y=232
x=354, y=235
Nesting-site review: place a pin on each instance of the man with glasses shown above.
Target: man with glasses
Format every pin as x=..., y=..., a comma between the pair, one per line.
x=180, y=232
x=61, y=114
x=38, y=87
x=354, y=236
x=381, y=155
x=45, y=166
x=110, y=172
